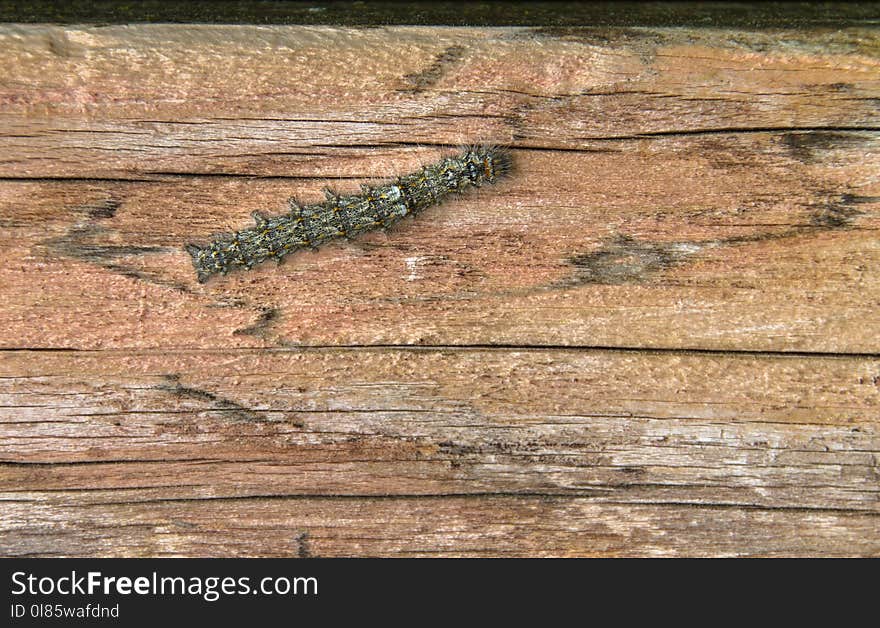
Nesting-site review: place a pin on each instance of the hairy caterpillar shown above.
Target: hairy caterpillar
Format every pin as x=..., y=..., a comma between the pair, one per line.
x=342, y=216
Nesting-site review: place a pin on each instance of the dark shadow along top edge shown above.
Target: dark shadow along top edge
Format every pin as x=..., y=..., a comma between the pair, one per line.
x=741, y=15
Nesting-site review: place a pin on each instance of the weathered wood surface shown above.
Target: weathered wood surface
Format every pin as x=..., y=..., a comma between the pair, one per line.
x=659, y=337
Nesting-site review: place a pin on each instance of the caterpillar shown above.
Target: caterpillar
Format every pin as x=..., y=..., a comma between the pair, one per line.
x=347, y=216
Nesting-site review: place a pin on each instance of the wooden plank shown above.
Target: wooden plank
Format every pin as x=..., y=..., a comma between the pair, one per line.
x=93, y=105
x=103, y=265
x=658, y=337
x=506, y=526
x=753, y=431
x=672, y=188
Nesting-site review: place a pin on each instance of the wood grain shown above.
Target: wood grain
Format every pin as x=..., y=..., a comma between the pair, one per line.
x=666, y=195
x=659, y=337
x=508, y=526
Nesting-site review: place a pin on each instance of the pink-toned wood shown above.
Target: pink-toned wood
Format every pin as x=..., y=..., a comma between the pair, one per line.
x=659, y=337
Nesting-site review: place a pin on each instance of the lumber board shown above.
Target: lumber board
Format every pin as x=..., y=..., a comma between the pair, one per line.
x=619, y=434
x=498, y=526
x=657, y=337
x=693, y=189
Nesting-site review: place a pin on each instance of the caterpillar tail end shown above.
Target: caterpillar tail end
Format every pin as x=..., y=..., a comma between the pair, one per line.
x=195, y=252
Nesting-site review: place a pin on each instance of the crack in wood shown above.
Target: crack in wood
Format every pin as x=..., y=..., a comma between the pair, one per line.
x=419, y=81
x=268, y=316
x=625, y=260
x=303, y=544
x=236, y=410
x=809, y=146
x=86, y=241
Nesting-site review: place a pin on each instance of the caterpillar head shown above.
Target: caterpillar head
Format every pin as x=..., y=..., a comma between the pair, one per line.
x=486, y=164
